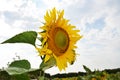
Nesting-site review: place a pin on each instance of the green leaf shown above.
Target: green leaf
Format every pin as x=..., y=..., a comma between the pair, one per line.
x=15, y=70
x=46, y=65
x=87, y=69
x=21, y=64
x=25, y=37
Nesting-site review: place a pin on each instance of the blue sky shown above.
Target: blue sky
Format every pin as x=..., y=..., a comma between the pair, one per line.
x=98, y=21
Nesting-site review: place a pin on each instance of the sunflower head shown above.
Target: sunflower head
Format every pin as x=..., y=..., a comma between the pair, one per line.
x=59, y=39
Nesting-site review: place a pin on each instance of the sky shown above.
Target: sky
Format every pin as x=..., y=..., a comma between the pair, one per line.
x=97, y=20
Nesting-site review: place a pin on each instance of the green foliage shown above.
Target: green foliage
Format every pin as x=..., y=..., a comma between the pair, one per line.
x=41, y=78
x=114, y=76
x=99, y=75
x=21, y=64
x=18, y=68
x=4, y=75
x=17, y=73
x=15, y=70
x=87, y=69
x=20, y=77
x=25, y=37
x=46, y=65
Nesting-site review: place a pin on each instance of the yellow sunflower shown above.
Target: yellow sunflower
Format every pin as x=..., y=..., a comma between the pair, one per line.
x=59, y=39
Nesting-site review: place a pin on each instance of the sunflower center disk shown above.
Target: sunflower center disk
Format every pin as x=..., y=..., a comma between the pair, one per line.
x=61, y=41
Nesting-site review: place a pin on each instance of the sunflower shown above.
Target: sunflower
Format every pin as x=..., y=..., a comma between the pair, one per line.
x=58, y=39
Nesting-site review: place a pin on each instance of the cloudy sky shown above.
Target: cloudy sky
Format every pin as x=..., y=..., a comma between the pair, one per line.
x=98, y=20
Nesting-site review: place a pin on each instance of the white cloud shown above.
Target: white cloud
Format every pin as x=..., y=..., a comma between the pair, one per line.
x=18, y=16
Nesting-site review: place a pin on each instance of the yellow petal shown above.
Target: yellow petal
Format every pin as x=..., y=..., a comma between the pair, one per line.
x=47, y=57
